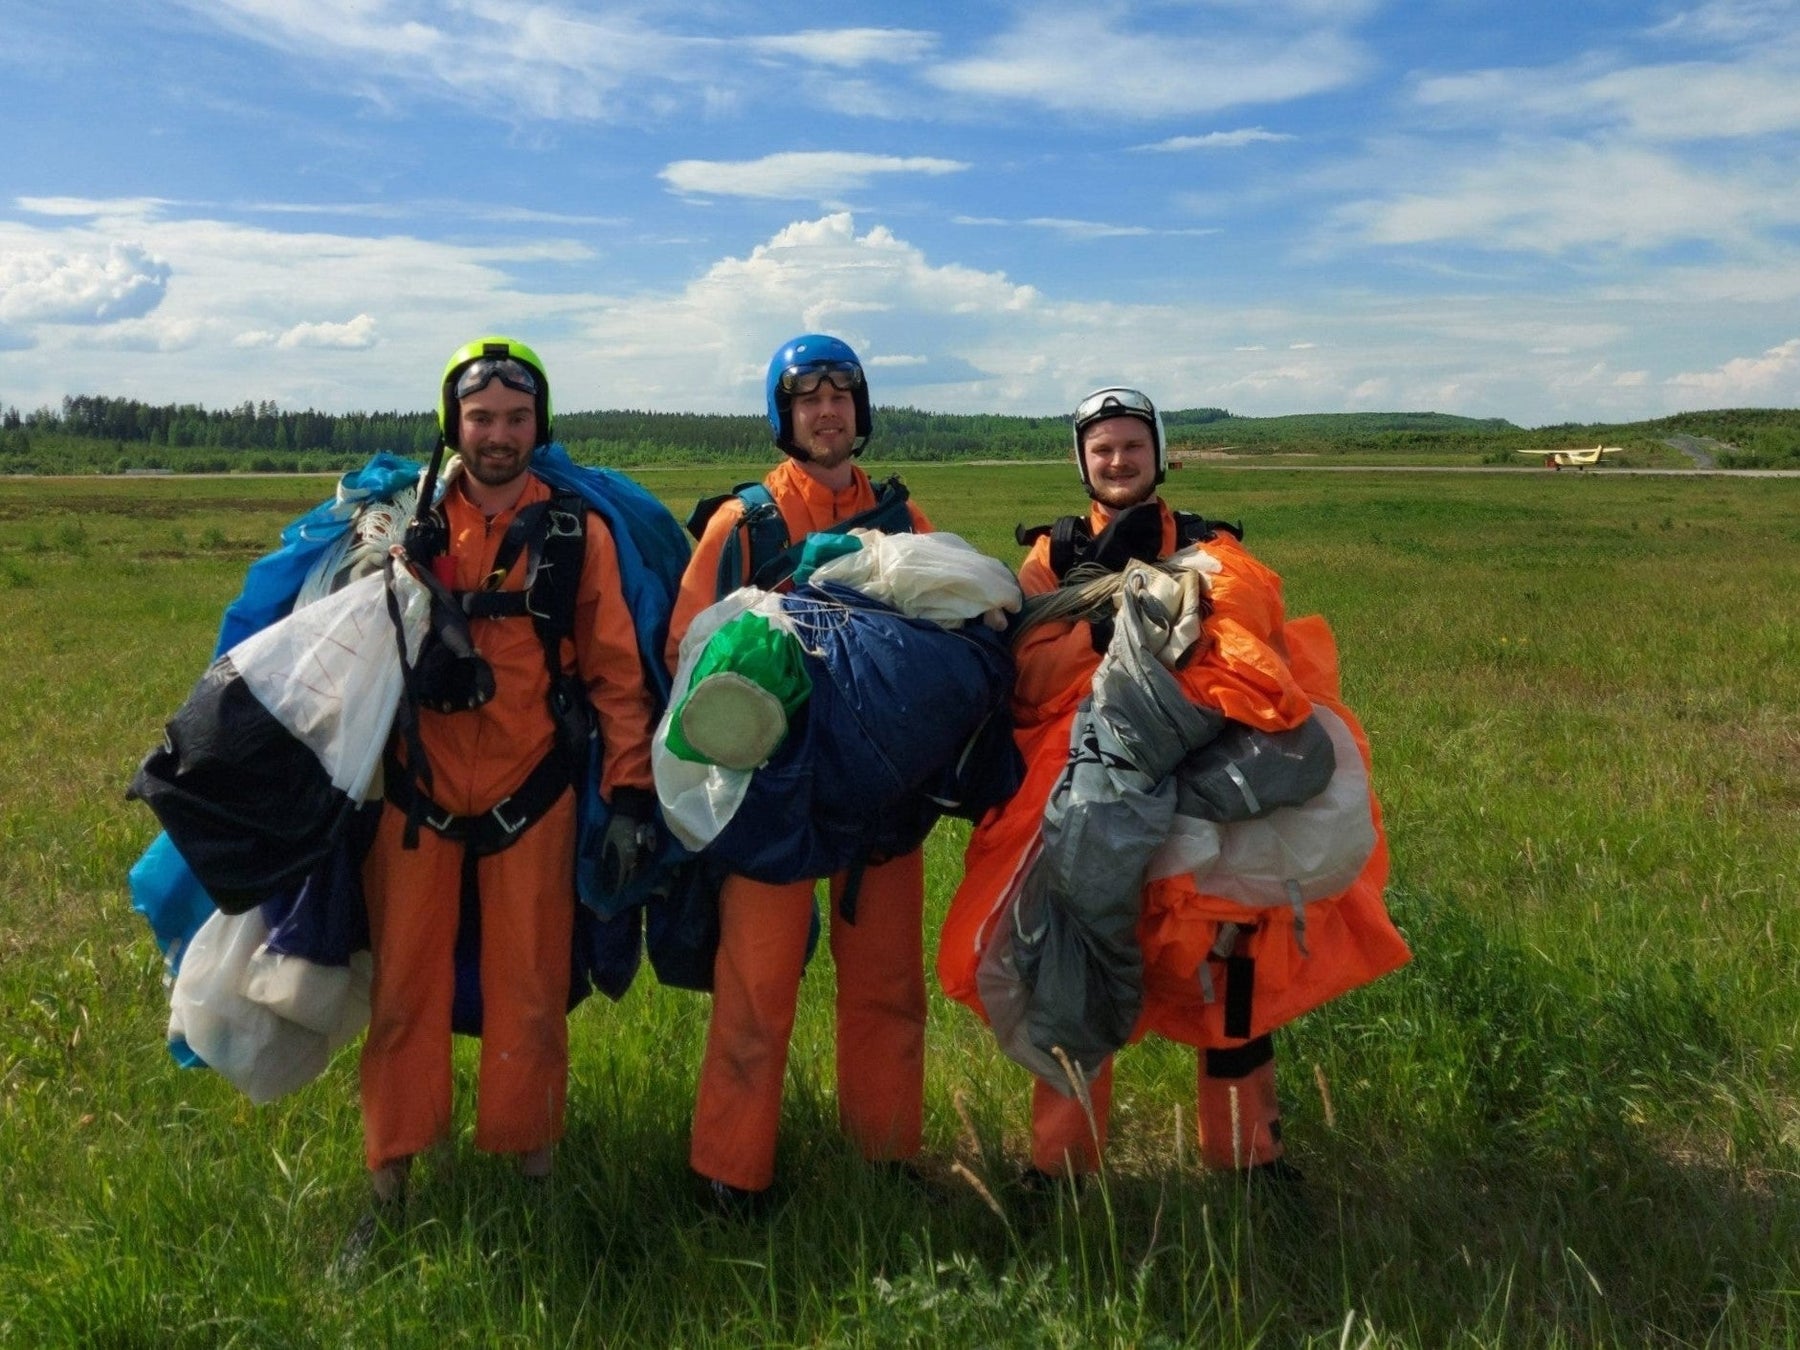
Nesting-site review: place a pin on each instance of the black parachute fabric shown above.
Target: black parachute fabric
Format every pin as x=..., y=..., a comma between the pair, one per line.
x=262, y=765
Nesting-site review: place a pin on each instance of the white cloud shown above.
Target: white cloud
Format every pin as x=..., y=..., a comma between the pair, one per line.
x=84, y=286
x=356, y=335
x=1774, y=376
x=240, y=319
x=850, y=47
x=1078, y=229
x=1074, y=62
x=1217, y=140
x=815, y=175
x=1689, y=101
x=123, y=208
x=1557, y=196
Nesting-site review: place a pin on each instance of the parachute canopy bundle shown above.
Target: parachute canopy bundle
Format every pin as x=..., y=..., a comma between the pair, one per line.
x=844, y=716
x=1195, y=849
x=262, y=780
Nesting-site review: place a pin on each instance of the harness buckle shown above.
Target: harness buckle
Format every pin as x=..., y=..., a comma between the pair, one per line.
x=508, y=827
x=440, y=821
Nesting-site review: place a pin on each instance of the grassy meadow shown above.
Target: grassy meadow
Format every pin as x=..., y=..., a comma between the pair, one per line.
x=1574, y=1119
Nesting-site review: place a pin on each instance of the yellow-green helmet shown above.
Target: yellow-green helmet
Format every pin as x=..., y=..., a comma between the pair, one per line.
x=492, y=349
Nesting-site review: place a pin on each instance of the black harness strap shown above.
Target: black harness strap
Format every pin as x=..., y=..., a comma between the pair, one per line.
x=500, y=825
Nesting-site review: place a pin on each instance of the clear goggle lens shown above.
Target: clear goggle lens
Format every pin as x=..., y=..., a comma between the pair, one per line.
x=478, y=375
x=1104, y=403
x=798, y=381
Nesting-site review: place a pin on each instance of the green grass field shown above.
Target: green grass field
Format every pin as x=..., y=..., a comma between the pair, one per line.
x=1574, y=1119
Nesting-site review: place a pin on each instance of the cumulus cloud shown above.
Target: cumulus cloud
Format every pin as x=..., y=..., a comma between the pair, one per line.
x=1050, y=59
x=1216, y=140
x=92, y=286
x=817, y=175
x=1774, y=376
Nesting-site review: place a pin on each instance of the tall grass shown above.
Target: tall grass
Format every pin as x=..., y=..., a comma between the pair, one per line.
x=1572, y=1120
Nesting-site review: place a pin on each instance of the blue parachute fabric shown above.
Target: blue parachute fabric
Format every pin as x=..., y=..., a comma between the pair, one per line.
x=272, y=581
x=653, y=553
x=876, y=752
x=173, y=902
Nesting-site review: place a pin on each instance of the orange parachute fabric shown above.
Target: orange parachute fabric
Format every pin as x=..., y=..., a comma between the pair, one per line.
x=1258, y=669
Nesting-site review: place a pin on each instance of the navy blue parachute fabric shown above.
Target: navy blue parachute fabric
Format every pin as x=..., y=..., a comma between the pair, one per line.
x=908, y=720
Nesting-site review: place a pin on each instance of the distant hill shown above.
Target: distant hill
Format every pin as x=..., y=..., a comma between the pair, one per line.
x=94, y=434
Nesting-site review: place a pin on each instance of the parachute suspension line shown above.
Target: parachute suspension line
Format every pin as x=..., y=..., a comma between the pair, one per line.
x=1088, y=592
x=360, y=550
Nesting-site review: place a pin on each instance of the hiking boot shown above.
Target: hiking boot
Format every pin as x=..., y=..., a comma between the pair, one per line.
x=382, y=1218
x=733, y=1202
x=1275, y=1172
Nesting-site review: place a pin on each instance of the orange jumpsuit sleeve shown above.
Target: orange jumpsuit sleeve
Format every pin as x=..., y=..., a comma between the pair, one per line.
x=606, y=656
x=700, y=582
x=1035, y=576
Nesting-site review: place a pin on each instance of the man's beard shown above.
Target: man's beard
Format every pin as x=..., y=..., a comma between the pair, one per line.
x=494, y=474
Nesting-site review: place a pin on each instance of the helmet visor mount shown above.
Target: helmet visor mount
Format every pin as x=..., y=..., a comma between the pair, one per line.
x=479, y=374
x=799, y=381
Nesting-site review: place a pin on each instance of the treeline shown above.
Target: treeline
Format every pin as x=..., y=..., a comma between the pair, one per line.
x=94, y=434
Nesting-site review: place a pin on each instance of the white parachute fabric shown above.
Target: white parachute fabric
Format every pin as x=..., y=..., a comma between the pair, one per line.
x=1305, y=851
x=937, y=576
x=268, y=1023
x=330, y=673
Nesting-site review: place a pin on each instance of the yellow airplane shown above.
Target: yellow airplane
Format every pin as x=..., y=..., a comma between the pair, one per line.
x=1575, y=459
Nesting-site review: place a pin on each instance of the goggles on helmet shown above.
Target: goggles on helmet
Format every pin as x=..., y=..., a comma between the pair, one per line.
x=800, y=381
x=1106, y=403
x=478, y=375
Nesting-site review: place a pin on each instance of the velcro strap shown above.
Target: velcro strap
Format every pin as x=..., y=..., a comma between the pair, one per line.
x=1240, y=987
x=1239, y=1060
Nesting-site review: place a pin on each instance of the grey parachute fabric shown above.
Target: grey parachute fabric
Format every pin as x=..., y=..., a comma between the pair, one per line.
x=1065, y=971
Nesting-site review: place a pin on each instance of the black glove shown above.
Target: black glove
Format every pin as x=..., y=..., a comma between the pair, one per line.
x=630, y=840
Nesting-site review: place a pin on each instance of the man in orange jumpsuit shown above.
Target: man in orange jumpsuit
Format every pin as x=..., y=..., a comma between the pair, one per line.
x=491, y=763
x=819, y=411
x=1122, y=457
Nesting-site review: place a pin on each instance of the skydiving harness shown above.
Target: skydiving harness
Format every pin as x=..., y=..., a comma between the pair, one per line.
x=760, y=552
x=451, y=676
x=1134, y=533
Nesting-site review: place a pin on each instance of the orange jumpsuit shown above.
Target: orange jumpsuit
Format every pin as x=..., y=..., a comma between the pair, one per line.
x=527, y=891
x=1259, y=669
x=762, y=943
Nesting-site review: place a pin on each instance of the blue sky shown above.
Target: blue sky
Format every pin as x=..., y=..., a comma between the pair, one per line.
x=1541, y=212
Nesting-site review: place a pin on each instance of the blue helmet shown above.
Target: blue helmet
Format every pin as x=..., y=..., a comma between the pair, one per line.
x=818, y=356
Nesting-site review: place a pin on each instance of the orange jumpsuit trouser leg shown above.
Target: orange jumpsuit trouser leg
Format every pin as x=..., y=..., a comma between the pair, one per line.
x=528, y=912
x=1062, y=1139
x=1240, y=1118
x=527, y=926
x=756, y=985
x=880, y=962
x=412, y=902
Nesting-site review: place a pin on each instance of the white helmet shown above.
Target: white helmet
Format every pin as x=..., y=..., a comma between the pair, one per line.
x=1118, y=401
